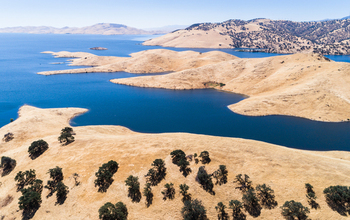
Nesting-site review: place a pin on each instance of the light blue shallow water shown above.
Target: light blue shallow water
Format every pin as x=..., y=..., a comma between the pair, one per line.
x=141, y=109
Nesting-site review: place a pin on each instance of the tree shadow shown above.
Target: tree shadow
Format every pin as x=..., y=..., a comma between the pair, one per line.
x=29, y=214
x=134, y=195
x=254, y=211
x=102, y=187
x=314, y=204
x=149, y=199
x=185, y=171
x=270, y=204
x=61, y=199
x=338, y=207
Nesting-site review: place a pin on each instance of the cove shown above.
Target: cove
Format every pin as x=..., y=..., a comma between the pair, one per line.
x=142, y=109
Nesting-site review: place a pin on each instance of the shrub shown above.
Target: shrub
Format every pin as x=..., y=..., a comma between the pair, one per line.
x=205, y=157
x=157, y=173
x=220, y=208
x=236, y=207
x=104, y=175
x=204, y=179
x=183, y=191
x=194, y=210
x=220, y=175
x=37, y=148
x=7, y=165
x=195, y=158
x=244, y=184
x=294, y=210
x=134, y=188
x=113, y=212
x=169, y=191
x=8, y=137
x=251, y=203
x=338, y=198
x=266, y=196
x=311, y=196
x=25, y=178
x=147, y=192
x=66, y=136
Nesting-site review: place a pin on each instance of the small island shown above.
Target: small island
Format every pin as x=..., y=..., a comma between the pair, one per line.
x=98, y=48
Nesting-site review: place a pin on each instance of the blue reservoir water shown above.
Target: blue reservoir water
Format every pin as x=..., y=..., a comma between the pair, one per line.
x=142, y=109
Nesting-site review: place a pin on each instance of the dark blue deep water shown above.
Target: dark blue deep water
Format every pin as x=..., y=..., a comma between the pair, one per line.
x=142, y=109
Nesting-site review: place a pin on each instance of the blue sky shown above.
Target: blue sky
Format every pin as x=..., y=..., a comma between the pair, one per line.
x=157, y=13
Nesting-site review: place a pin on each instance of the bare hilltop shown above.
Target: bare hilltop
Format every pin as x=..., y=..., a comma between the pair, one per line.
x=305, y=85
x=273, y=36
x=285, y=170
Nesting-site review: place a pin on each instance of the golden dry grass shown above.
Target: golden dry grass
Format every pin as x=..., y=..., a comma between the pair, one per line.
x=285, y=170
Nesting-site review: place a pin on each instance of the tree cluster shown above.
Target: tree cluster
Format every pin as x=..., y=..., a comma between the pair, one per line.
x=113, y=212
x=37, y=148
x=104, y=175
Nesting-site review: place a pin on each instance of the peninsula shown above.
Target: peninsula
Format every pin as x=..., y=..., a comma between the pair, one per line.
x=285, y=170
x=303, y=85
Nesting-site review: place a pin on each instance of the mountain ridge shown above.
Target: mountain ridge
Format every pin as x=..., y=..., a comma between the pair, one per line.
x=99, y=28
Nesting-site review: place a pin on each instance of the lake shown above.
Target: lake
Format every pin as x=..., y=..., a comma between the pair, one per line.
x=142, y=109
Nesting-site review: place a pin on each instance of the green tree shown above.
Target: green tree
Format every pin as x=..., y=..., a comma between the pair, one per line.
x=37, y=148
x=147, y=192
x=25, y=178
x=338, y=198
x=134, y=188
x=7, y=165
x=311, y=196
x=121, y=211
x=194, y=210
x=236, y=207
x=157, y=173
x=66, y=136
x=56, y=176
x=205, y=157
x=104, y=175
x=184, y=192
x=220, y=208
x=204, y=179
x=29, y=202
x=251, y=203
x=37, y=186
x=294, y=210
x=266, y=196
x=169, y=191
x=107, y=212
x=183, y=164
x=61, y=192
x=244, y=183
x=220, y=175
x=176, y=155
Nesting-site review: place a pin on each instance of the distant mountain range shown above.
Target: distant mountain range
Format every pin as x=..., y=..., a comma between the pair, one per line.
x=276, y=36
x=101, y=28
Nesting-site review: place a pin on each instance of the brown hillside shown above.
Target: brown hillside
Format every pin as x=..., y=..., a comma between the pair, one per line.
x=285, y=170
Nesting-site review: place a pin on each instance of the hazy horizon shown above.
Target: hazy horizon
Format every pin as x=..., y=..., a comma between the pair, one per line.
x=155, y=13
